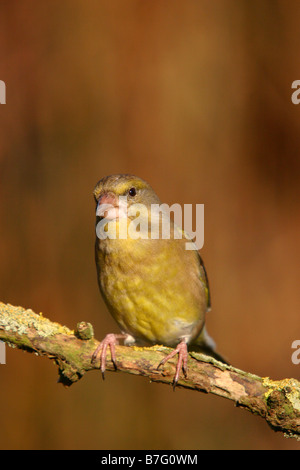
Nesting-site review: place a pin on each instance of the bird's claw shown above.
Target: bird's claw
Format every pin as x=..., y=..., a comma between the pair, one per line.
x=182, y=351
x=110, y=341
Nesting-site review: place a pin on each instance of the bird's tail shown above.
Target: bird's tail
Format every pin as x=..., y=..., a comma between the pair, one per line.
x=206, y=345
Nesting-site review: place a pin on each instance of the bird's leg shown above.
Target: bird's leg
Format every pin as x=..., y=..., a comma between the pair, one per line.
x=182, y=351
x=110, y=340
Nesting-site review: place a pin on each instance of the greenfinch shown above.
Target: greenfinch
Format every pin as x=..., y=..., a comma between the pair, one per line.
x=156, y=290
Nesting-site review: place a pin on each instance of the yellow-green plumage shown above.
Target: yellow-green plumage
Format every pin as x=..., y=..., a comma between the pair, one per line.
x=156, y=290
x=150, y=289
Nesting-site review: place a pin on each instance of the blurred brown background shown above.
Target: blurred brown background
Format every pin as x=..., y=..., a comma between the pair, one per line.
x=195, y=97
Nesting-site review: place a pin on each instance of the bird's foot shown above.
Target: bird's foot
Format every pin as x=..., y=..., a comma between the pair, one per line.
x=110, y=341
x=182, y=352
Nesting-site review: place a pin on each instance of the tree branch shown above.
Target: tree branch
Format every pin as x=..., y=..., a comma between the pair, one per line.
x=278, y=402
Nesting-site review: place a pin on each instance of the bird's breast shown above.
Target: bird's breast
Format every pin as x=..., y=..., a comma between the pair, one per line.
x=152, y=289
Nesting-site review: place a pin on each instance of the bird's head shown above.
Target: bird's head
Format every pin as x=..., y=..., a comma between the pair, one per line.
x=116, y=193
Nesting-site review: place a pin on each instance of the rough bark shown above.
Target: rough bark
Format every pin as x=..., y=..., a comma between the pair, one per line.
x=278, y=402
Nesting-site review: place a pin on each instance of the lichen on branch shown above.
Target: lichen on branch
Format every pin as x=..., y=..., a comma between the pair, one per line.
x=278, y=402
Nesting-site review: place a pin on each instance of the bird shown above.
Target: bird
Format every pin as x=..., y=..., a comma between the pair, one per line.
x=156, y=290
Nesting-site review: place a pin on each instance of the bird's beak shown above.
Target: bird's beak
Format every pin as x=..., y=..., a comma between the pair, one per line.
x=109, y=207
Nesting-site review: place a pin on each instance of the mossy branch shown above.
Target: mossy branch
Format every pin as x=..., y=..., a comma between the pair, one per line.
x=278, y=402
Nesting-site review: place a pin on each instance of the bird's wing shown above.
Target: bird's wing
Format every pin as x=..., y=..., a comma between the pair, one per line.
x=202, y=270
x=204, y=280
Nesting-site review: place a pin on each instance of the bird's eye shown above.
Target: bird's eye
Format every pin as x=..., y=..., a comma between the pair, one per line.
x=132, y=192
